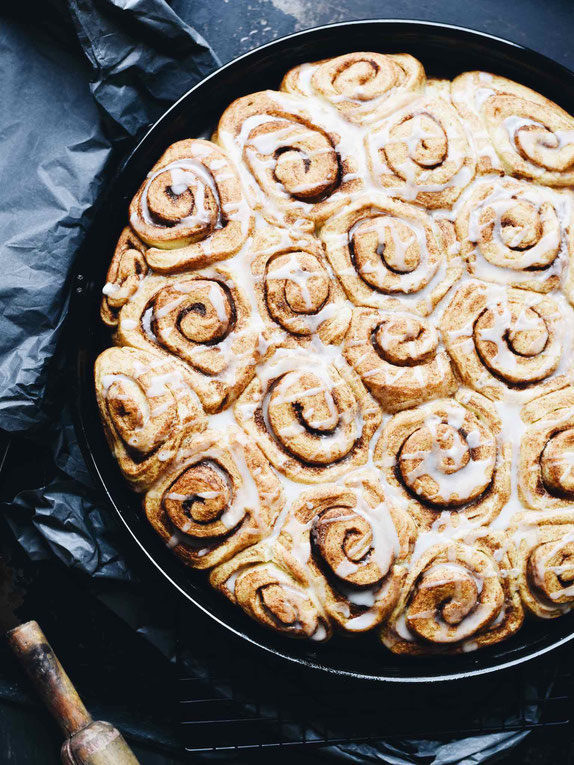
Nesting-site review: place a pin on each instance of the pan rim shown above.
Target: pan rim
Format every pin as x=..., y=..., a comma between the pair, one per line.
x=85, y=438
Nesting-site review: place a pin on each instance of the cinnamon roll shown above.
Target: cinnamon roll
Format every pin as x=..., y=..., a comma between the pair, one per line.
x=295, y=168
x=546, y=463
x=205, y=320
x=147, y=403
x=312, y=418
x=272, y=588
x=447, y=456
x=363, y=87
x=516, y=129
x=191, y=208
x=397, y=356
x=515, y=233
x=421, y=154
x=456, y=598
x=126, y=271
x=542, y=554
x=390, y=255
x=297, y=294
x=437, y=88
x=355, y=545
x=218, y=497
x=504, y=339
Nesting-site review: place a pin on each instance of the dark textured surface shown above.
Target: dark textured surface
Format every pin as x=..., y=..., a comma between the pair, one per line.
x=233, y=27
x=236, y=26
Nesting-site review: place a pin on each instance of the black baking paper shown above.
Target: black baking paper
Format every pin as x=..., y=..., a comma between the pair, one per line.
x=85, y=78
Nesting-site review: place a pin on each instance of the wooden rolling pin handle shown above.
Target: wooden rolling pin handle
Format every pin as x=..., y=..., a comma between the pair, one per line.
x=52, y=683
x=89, y=742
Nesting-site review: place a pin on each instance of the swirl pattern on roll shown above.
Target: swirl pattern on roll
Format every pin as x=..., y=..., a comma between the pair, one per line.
x=421, y=154
x=127, y=269
x=355, y=545
x=147, y=403
x=457, y=598
x=390, y=255
x=515, y=233
x=274, y=589
x=363, y=87
x=218, y=497
x=191, y=208
x=298, y=295
x=516, y=129
x=295, y=169
x=546, y=462
x=447, y=456
x=397, y=356
x=204, y=320
x=504, y=339
x=542, y=554
x=313, y=419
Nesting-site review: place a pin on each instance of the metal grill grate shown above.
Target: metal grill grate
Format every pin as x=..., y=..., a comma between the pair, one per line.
x=233, y=698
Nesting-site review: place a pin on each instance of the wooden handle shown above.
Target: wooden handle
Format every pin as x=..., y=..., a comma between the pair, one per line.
x=89, y=743
x=53, y=684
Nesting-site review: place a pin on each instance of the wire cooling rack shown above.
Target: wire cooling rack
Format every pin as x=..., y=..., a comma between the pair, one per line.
x=232, y=698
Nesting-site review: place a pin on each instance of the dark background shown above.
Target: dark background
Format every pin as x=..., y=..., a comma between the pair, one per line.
x=80, y=627
x=233, y=27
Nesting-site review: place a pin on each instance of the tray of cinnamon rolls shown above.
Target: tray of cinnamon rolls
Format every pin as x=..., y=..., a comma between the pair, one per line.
x=334, y=357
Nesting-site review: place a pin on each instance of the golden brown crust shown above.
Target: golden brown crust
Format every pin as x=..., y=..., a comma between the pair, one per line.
x=457, y=597
x=422, y=154
x=355, y=544
x=542, y=552
x=502, y=340
x=191, y=208
x=514, y=233
x=545, y=464
x=147, y=404
x=205, y=320
x=515, y=129
x=126, y=271
x=218, y=497
x=312, y=419
x=296, y=170
x=396, y=355
x=447, y=456
x=298, y=296
x=362, y=86
x=270, y=586
x=390, y=255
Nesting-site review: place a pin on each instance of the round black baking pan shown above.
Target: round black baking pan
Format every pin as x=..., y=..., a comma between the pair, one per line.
x=445, y=52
